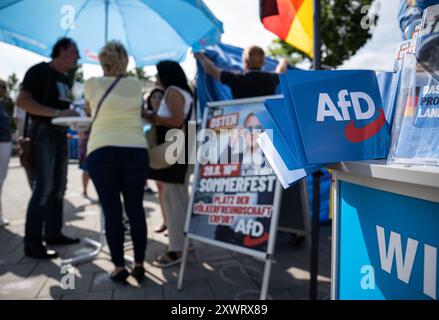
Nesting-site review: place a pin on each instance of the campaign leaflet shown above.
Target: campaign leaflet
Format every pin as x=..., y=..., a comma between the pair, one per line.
x=234, y=193
x=408, y=46
x=415, y=133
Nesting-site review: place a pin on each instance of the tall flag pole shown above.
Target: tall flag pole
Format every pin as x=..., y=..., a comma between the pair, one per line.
x=315, y=227
x=317, y=36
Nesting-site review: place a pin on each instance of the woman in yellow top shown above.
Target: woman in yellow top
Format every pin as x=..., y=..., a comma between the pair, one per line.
x=117, y=156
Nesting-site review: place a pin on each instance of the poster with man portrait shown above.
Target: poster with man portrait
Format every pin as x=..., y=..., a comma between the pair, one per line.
x=234, y=195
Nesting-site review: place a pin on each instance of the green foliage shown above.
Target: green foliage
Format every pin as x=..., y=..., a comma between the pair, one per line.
x=138, y=73
x=12, y=84
x=345, y=27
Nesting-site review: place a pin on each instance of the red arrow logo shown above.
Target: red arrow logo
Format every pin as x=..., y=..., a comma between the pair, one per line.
x=253, y=242
x=354, y=134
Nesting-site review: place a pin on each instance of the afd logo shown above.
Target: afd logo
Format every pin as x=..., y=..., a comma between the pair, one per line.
x=346, y=100
x=404, y=262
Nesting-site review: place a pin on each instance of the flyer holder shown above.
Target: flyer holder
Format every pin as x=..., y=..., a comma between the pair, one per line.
x=415, y=130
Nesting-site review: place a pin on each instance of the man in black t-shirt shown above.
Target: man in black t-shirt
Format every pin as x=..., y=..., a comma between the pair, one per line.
x=253, y=82
x=45, y=94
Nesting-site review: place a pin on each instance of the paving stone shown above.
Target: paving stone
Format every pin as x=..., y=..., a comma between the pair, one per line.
x=140, y=293
x=192, y=290
x=230, y=289
x=300, y=293
x=97, y=295
x=281, y=278
x=47, y=268
x=12, y=258
x=11, y=273
x=211, y=253
x=53, y=287
x=21, y=288
x=101, y=264
x=102, y=281
x=280, y=295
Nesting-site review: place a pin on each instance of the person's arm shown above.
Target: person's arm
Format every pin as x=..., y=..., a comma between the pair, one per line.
x=282, y=66
x=209, y=66
x=87, y=108
x=175, y=103
x=29, y=104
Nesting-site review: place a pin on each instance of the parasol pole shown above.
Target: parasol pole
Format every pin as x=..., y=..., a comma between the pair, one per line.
x=316, y=175
x=107, y=4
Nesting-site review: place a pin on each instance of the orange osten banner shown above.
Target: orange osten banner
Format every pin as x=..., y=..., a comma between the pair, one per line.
x=291, y=21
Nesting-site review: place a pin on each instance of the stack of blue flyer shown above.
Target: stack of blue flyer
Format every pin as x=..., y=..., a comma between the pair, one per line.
x=323, y=117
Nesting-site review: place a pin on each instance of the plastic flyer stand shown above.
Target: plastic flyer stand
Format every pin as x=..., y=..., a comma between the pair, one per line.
x=415, y=130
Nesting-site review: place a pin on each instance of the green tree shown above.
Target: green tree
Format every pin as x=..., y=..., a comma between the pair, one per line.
x=12, y=84
x=138, y=73
x=346, y=25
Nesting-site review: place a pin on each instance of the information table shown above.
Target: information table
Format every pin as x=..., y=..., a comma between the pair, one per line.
x=385, y=231
x=75, y=123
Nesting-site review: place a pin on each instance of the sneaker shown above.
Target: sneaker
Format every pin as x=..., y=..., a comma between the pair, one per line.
x=171, y=258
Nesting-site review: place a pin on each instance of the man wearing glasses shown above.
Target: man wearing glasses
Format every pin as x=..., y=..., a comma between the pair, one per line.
x=45, y=94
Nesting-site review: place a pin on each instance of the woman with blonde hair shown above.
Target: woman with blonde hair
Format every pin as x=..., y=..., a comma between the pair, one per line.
x=117, y=155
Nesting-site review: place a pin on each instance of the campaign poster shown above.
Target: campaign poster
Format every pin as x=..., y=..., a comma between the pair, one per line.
x=234, y=196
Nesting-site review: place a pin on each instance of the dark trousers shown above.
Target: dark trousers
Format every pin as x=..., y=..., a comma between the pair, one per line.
x=115, y=171
x=49, y=175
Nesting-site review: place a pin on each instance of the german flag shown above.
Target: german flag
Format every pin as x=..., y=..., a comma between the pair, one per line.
x=291, y=21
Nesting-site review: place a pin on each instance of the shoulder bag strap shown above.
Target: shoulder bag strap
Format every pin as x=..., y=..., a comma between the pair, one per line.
x=109, y=89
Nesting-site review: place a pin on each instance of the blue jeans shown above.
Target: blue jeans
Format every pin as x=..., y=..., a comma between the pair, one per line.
x=50, y=160
x=115, y=171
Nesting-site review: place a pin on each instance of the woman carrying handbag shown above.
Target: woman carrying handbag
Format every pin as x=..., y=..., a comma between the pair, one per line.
x=174, y=113
x=117, y=157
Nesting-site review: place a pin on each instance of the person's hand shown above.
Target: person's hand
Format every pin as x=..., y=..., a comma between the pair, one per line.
x=149, y=115
x=67, y=113
x=82, y=134
x=199, y=55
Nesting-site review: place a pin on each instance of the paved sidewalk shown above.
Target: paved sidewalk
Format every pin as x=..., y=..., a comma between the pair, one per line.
x=211, y=272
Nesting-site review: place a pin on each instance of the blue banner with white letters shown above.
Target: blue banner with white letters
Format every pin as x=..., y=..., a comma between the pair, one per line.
x=325, y=117
x=340, y=115
x=385, y=251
